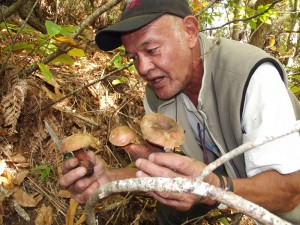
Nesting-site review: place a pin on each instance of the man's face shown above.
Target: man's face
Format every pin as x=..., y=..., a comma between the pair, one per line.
x=161, y=55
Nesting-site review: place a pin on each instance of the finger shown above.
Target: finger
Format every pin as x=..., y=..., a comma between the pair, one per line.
x=73, y=175
x=174, y=203
x=83, y=183
x=181, y=164
x=82, y=197
x=154, y=170
x=92, y=157
x=142, y=174
x=69, y=164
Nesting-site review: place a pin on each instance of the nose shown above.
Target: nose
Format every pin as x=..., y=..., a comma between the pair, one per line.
x=145, y=64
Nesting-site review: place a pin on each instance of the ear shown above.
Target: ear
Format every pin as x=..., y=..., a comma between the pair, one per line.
x=190, y=24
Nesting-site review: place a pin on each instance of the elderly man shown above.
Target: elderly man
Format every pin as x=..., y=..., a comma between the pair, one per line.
x=223, y=93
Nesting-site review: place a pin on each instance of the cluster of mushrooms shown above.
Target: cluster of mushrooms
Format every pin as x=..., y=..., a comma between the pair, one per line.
x=158, y=130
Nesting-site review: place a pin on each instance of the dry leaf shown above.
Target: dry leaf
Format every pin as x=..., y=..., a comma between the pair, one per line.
x=272, y=41
x=71, y=212
x=66, y=39
x=25, y=199
x=81, y=219
x=18, y=158
x=44, y=216
x=6, y=179
x=19, y=178
x=53, y=89
x=24, y=165
x=64, y=194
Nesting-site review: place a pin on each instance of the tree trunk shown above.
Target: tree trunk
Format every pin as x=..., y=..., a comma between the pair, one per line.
x=13, y=8
x=237, y=25
x=35, y=20
x=260, y=35
x=23, y=7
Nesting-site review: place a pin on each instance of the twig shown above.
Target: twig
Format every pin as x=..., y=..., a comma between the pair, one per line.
x=21, y=211
x=87, y=120
x=211, y=3
x=78, y=90
x=245, y=147
x=63, y=48
x=15, y=38
x=194, y=186
x=245, y=19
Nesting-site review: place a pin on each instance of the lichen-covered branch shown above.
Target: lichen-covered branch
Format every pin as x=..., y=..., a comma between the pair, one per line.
x=182, y=185
x=195, y=186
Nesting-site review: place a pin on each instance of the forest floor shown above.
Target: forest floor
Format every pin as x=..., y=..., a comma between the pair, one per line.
x=30, y=164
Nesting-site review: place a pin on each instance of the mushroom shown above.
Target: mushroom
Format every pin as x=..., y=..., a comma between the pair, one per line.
x=76, y=145
x=163, y=131
x=123, y=136
x=130, y=141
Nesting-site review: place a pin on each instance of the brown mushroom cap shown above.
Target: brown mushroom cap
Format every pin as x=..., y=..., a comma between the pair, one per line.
x=75, y=142
x=162, y=130
x=122, y=136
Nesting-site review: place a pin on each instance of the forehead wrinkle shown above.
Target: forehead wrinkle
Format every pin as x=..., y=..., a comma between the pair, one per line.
x=142, y=45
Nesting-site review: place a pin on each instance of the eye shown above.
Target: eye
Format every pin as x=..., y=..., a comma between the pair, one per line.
x=152, y=51
x=132, y=57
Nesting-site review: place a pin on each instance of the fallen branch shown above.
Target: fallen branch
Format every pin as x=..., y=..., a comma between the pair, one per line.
x=195, y=186
x=182, y=185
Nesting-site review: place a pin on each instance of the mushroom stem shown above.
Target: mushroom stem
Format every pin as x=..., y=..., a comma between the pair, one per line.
x=81, y=155
x=142, y=150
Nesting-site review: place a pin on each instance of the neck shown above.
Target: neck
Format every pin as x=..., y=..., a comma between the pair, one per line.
x=196, y=83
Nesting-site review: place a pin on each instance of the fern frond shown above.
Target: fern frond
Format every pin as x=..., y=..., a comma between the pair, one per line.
x=12, y=103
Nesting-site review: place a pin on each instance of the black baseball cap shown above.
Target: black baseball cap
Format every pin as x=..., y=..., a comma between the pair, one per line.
x=137, y=14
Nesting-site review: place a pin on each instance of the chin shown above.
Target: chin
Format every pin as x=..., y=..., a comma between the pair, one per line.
x=165, y=96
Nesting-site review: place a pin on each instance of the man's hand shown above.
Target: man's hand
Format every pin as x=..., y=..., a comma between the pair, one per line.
x=80, y=186
x=174, y=165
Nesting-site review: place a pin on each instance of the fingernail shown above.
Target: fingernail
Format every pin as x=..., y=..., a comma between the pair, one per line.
x=151, y=157
x=82, y=170
x=137, y=163
x=138, y=174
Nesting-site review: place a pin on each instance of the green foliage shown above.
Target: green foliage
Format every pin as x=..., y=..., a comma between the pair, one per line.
x=264, y=18
x=54, y=29
x=120, y=80
x=45, y=71
x=44, y=44
x=117, y=61
x=45, y=171
x=218, y=215
x=294, y=80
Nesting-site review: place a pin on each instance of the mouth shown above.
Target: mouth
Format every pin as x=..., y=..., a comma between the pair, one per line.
x=156, y=82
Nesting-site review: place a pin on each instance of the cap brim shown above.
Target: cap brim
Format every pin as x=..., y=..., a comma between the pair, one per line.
x=110, y=38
